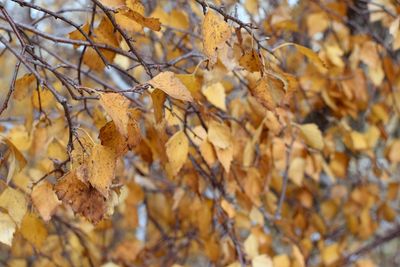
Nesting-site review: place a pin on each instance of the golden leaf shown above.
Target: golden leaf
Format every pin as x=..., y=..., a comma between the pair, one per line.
x=15, y=203
x=116, y=106
x=33, y=230
x=215, y=33
x=219, y=135
x=177, y=149
x=45, y=200
x=215, y=94
x=24, y=86
x=171, y=85
x=312, y=135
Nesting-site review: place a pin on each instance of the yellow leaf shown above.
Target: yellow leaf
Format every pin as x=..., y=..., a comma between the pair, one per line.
x=312, y=135
x=177, y=149
x=57, y=150
x=330, y=254
x=251, y=61
x=171, y=85
x=113, y=3
x=215, y=33
x=45, y=200
x=269, y=91
x=192, y=83
x=7, y=229
x=151, y=23
x=311, y=55
x=298, y=256
x=101, y=168
x=207, y=152
x=281, y=260
x=24, y=86
x=296, y=170
x=16, y=161
x=228, y=208
x=116, y=106
x=261, y=261
x=33, y=230
x=317, y=22
x=225, y=156
x=215, y=94
x=83, y=145
x=358, y=141
x=219, y=135
x=127, y=23
x=135, y=5
x=251, y=246
x=15, y=203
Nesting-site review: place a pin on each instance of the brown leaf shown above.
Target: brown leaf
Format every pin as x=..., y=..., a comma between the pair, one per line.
x=251, y=61
x=110, y=137
x=158, y=97
x=81, y=197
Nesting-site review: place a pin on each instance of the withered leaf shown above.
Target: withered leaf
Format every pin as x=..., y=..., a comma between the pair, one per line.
x=83, y=198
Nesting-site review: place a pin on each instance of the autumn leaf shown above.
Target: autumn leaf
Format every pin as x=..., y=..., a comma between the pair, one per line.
x=45, y=200
x=219, y=135
x=101, y=168
x=215, y=33
x=215, y=94
x=312, y=135
x=177, y=149
x=171, y=85
x=116, y=105
x=81, y=197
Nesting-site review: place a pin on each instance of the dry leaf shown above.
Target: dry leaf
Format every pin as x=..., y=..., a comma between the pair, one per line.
x=45, y=200
x=158, y=97
x=215, y=33
x=15, y=203
x=101, y=168
x=34, y=230
x=7, y=229
x=24, y=86
x=177, y=149
x=296, y=170
x=215, y=94
x=116, y=106
x=312, y=135
x=311, y=55
x=171, y=85
x=219, y=135
x=262, y=261
x=83, y=198
x=16, y=159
